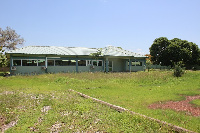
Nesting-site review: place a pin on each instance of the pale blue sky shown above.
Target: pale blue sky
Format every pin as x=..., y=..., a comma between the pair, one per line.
x=130, y=24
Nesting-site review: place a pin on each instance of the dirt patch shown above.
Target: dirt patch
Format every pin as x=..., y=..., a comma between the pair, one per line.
x=56, y=127
x=7, y=126
x=45, y=109
x=2, y=121
x=7, y=93
x=180, y=105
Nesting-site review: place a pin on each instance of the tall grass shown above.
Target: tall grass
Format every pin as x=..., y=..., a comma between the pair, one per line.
x=136, y=91
x=23, y=97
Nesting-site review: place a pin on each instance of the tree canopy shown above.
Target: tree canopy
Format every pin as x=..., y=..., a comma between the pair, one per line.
x=167, y=52
x=9, y=39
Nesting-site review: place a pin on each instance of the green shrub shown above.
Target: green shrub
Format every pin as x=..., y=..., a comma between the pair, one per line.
x=178, y=70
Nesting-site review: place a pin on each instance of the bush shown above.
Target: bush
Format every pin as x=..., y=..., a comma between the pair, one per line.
x=178, y=70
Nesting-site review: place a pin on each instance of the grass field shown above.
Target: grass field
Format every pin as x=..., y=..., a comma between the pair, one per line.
x=43, y=103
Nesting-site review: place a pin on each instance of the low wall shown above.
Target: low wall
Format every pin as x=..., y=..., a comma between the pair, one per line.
x=61, y=69
x=30, y=70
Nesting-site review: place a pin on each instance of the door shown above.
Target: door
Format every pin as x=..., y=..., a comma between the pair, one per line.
x=110, y=66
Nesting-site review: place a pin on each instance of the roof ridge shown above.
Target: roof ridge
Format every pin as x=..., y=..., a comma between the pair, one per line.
x=58, y=46
x=60, y=50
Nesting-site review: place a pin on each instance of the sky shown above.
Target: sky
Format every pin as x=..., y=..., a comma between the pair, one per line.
x=130, y=24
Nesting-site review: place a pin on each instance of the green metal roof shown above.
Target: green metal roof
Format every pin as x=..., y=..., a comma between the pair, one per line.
x=73, y=51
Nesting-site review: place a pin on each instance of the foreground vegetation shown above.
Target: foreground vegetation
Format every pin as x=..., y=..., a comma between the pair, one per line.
x=136, y=91
x=43, y=103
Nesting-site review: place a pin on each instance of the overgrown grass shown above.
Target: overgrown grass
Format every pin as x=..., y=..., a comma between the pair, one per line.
x=136, y=91
x=22, y=98
x=2, y=73
x=196, y=102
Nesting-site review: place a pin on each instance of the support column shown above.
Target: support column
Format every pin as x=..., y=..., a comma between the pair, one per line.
x=46, y=65
x=76, y=65
x=103, y=65
x=106, y=64
x=130, y=64
x=11, y=63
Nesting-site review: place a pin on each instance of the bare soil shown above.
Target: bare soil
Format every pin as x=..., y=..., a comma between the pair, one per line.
x=180, y=106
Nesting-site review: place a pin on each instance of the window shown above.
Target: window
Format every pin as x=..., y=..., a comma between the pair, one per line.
x=41, y=62
x=95, y=62
x=135, y=63
x=65, y=62
x=29, y=62
x=50, y=62
x=89, y=62
x=58, y=63
x=81, y=62
x=16, y=62
x=72, y=63
x=100, y=63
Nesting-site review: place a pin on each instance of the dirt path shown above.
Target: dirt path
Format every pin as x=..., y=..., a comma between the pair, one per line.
x=180, y=105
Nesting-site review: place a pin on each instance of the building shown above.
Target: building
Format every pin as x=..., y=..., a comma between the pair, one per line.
x=51, y=59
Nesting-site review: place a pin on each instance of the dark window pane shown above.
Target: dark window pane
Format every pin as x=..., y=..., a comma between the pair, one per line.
x=29, y=62
x=16, y=62
x=41, y=62
x=72, y=63
x=94, y=63
x=65, y=62
x=58, y=62
x=81, y=62
x=50, y=62
x=100, y=63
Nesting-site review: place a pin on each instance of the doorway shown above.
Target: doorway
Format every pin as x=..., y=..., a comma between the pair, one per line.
x=110, y=66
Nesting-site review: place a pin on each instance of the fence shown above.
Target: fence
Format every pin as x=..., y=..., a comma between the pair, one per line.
x=159, y=67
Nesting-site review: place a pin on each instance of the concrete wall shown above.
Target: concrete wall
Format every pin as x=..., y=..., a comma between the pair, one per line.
x=137, y=68
x=30, y=70
x=64, y=69
x=61, y=69
x=90, y=69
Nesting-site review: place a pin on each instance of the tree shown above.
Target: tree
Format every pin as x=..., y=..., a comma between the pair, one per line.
x=167, y=52
x=9, y=39
x=3, y=59
x=97, y=54
x=148, y=61
x=158, y=51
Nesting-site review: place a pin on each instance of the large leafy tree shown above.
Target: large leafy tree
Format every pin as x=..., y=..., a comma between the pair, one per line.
x=159, y=52
x=9, y=40
x=167, y=52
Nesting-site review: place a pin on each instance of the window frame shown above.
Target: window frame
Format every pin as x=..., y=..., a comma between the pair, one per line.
x=16, y=59
x=91, y=62
x=133, y=63
x=29, y=60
